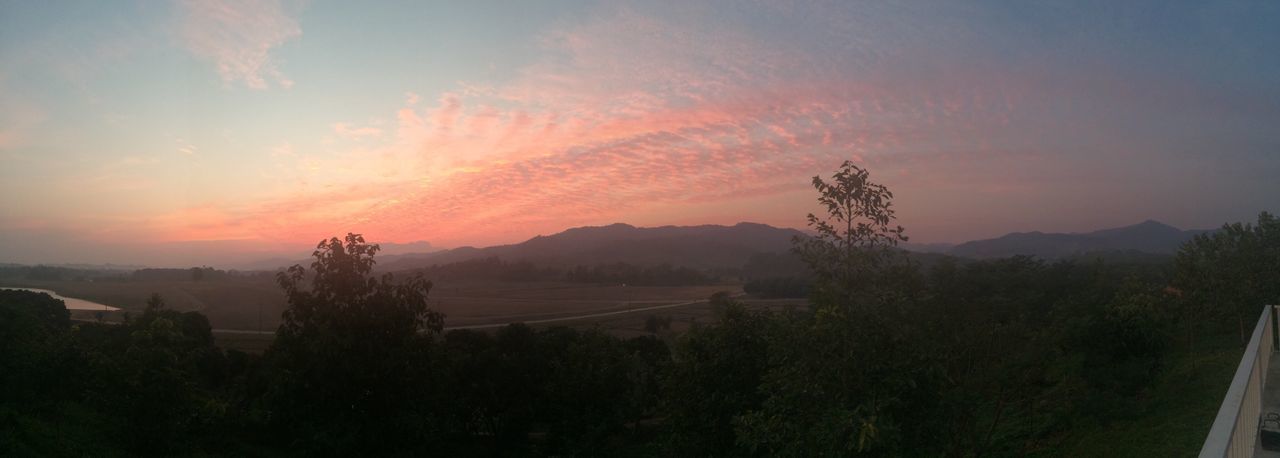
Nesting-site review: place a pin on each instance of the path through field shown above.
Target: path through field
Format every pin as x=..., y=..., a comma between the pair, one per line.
x=538, y=321
x=580, y=317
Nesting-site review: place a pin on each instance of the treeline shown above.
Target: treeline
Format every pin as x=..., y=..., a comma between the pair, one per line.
x=496, y=269
x=53, y=273
x=192, y=274
x=157, y=385
x=360, y=367
x=659, y=275
x=1041, y=345
x=996, y=358
x=106, y=390
x=776, y=275
x=993, y=357
x=490, y=269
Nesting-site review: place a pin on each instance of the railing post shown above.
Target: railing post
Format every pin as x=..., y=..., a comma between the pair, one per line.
x=1275, y=325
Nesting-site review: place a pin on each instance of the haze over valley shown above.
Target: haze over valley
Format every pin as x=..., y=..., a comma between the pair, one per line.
x=581, y=228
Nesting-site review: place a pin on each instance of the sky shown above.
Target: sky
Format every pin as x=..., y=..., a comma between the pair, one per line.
x=203, y=132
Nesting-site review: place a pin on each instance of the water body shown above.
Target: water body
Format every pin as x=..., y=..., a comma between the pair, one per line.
x=72, y=303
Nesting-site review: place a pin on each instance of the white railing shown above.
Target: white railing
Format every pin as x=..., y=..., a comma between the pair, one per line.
x=1235, y=430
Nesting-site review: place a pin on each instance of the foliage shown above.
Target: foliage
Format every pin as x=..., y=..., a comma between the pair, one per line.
x=1006, y=357
x=654, y=323
x=714, y=378
x=494, y=268
x=192, y=274
x=491, y=268
x=852, y=255
x=345, y=358
x=659, y=275
x=30, y=324
x=576, y=390
x=1227, y=276
x=777, y=287
x=852, y=376
x=150, y=386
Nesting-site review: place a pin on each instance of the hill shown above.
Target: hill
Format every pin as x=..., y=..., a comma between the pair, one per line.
x=705, y=247
x=1150, y=237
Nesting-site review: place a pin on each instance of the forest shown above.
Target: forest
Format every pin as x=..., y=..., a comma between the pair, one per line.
x=1004, y=357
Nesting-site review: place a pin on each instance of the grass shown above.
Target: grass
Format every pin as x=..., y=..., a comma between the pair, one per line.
x=1173, y=419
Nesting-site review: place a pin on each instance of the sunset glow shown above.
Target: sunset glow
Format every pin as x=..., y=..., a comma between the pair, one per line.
x=234, y=130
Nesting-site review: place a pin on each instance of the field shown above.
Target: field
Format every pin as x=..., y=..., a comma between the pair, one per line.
x=238, y=309
x=1172, y=419
x=229, y=304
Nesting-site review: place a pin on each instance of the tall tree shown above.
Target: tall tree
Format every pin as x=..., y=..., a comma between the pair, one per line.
x=855, y=240
x=349, y=350
x=853, y=377
x=1230, y=273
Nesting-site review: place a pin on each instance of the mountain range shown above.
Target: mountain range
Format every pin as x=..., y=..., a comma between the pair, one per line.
x=706, y=246
x=718, y=246
x=1150, y=237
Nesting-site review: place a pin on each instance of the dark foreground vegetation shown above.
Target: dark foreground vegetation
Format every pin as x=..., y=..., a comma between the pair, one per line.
x=1006, y=357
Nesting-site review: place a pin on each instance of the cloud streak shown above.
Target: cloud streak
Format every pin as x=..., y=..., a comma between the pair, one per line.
x=238, y=37
x=589, y=135
x=629, y=113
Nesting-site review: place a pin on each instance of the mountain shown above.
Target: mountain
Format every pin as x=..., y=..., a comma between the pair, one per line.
x=410, y=248
x=926, y=247
x=1151, y=237
x=716, y=246
x=706, y=246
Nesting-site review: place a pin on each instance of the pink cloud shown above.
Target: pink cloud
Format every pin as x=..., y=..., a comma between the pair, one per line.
x=687, y=118
x=445, y=116
x=237, y=36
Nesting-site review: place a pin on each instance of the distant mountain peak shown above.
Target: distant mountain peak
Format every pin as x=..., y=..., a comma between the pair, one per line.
x=1148, y=228
x=1149, y=236
x=1154, y=223
x=614, y=226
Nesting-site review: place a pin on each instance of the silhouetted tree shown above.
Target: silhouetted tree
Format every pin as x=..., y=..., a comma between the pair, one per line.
x=1228, y=275
x=853, y=376
x=715, y=378
x=655, y=323
x=348, y=352
x=853, y=253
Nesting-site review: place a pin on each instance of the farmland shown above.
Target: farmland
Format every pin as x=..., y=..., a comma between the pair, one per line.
x=255, y=304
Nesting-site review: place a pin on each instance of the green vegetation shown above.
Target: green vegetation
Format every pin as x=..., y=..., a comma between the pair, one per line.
x=1004, y=357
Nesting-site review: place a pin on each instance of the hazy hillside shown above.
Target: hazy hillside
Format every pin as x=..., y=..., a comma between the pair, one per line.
x=1152, y=237
x=716, y=246
x=707, y=246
